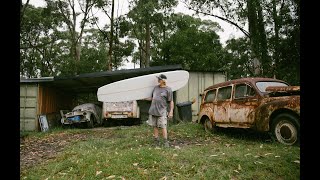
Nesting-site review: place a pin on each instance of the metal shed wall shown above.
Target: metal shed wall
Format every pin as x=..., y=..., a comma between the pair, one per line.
x=198, y=81
x=28, y=107
x=37, y=99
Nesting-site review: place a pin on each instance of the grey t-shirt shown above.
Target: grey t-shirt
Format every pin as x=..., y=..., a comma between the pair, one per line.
x=160, y=98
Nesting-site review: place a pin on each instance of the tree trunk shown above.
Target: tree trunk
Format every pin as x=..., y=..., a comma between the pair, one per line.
x=78, y=51
x=111, y=38
x=276, y=36
x=147, y=60
x=75, y=45
x=164, y=39
x=254, y=44
x=262, y=39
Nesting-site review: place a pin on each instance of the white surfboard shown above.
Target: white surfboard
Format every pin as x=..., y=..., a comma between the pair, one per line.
x=140, y=87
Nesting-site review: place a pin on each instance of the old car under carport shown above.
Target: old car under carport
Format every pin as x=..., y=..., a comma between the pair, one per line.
x=48, y=95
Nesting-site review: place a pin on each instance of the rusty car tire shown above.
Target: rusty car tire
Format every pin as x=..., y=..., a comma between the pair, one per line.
x=286, y=129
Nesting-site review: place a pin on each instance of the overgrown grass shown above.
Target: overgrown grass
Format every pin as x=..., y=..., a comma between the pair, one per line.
x=128, y=153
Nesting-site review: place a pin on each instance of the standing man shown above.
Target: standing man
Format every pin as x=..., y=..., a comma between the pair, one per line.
x=162, y=98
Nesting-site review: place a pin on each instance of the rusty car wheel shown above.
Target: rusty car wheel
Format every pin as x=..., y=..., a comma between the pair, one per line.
x=285, y=129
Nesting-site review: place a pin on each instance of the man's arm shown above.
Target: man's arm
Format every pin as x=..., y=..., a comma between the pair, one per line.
x=170, y=115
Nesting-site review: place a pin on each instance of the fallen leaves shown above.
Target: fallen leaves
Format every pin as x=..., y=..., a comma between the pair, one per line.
x=257, y=162
x=98, y=172
x=34, y=150
x=174, y=155
x=229, y=145
x=268, y=154
x=111, y=177
x=135, y=164
x=163, y=178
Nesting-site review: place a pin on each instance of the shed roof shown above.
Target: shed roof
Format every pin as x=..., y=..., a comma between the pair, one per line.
x=90, y=82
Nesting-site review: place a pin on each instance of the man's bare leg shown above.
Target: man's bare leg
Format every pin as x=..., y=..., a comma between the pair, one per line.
x=156, y=136
x=165, y=137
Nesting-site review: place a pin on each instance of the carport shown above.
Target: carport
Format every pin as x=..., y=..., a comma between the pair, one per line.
x=48, y=95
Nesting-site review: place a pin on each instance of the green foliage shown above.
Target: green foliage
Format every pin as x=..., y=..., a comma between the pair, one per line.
x=47, y=44
x=194, y=44
x=40, y=41
x=240, y=64
x=274, y=28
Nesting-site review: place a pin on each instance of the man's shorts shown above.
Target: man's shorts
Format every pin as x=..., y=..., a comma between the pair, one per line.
x=157, y=121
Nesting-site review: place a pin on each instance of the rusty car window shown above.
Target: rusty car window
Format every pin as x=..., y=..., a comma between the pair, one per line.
x=243, y=90
x=240, y=91
x=250, y=91
x=224, y=93
x=262, y=85
x=210, y=96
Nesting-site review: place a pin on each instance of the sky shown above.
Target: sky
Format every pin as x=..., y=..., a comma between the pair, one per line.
x=122, y=6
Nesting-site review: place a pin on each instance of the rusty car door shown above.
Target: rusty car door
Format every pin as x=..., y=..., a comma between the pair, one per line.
x=245, y=100
x=222, y=105
x=208, y=103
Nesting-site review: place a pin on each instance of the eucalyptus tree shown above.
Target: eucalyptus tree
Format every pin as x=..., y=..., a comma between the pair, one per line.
x=194, y=44
x=71, y=10
x=105, y=6
x=283, y=30
x=271, y=24
x=238, y=53
x=239, y=13
x=41, y=41
x=115, y=35
x=144, y=14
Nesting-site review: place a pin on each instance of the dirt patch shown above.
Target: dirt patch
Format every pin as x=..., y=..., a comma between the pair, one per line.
x=34, y=150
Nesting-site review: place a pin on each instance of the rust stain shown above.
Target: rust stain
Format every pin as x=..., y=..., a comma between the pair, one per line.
x=282, y=88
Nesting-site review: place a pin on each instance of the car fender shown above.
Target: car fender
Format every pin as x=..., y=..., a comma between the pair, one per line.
x=275, y=106
x=205, y=113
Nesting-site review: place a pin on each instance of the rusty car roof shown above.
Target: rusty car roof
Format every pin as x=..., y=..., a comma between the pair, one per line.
x=252, y=80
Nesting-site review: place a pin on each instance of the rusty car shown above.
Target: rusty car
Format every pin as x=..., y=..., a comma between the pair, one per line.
x=262, y=104
x=88, y=114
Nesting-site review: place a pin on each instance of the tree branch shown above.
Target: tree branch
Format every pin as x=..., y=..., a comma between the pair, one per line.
x=104, y=33
x=67, y=20
x=23, y=10
x=246, y=33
